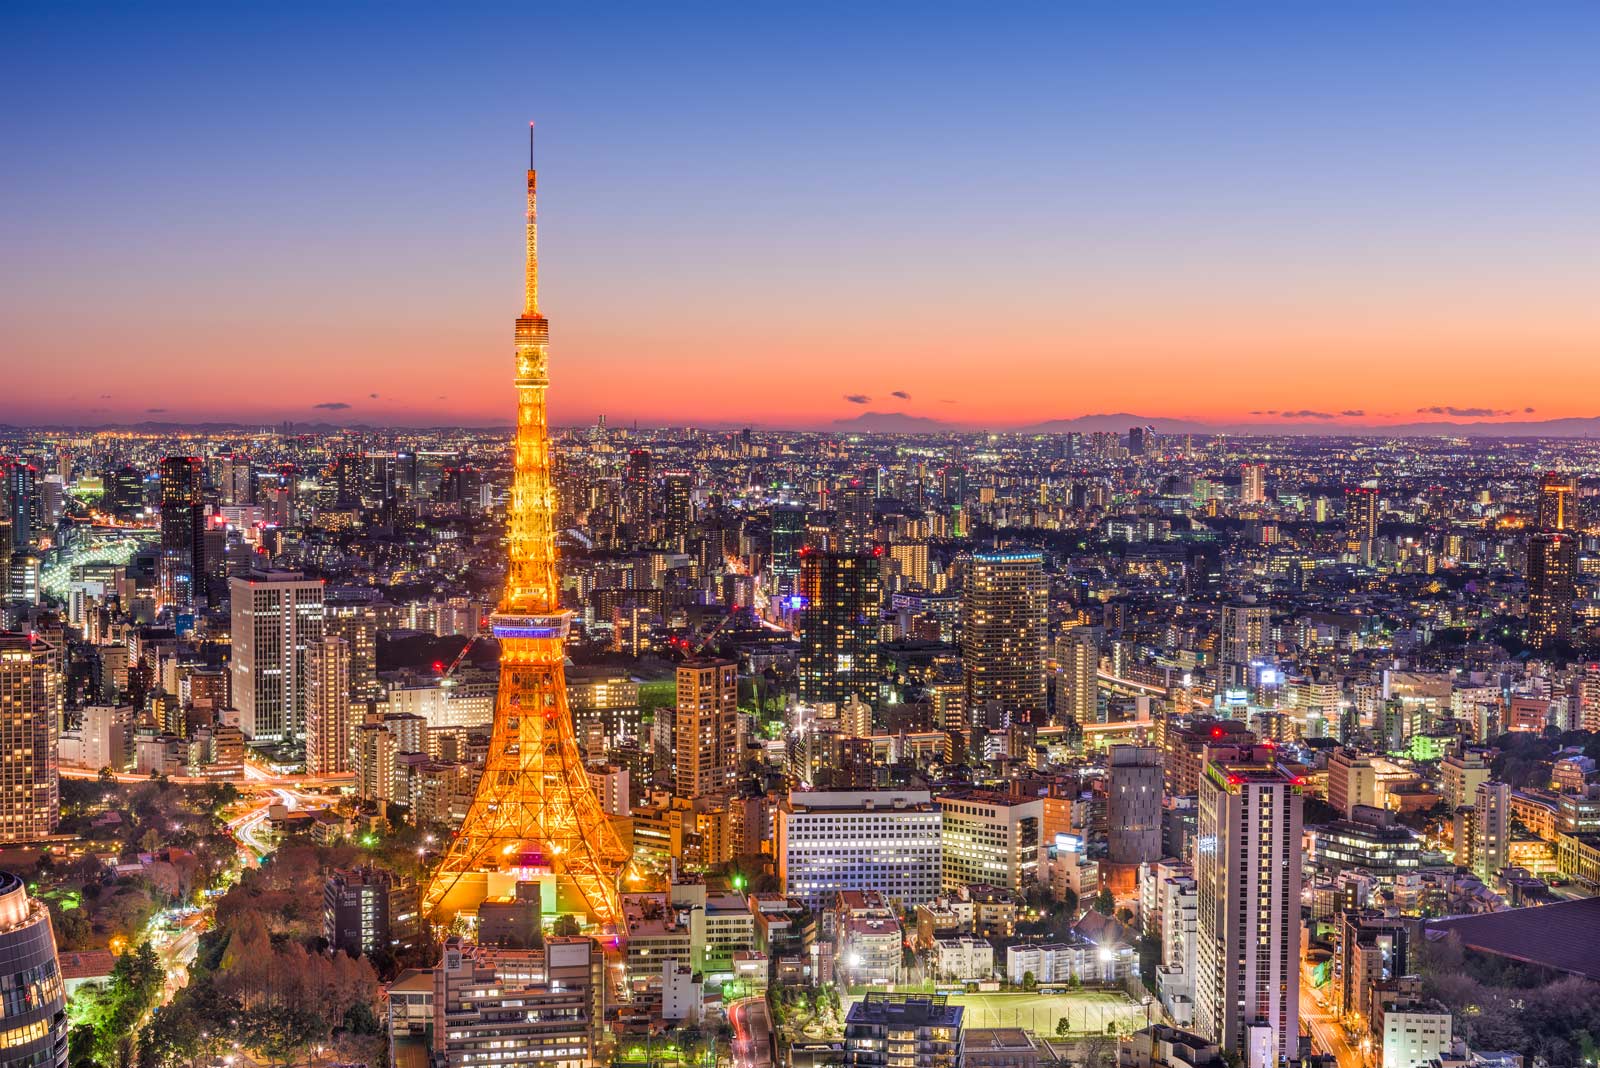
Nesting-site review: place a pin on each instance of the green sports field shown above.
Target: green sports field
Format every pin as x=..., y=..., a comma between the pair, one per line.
x=1089, y=1011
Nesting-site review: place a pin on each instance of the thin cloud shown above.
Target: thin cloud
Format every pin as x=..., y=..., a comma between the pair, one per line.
x=858, y=398
x=1353, y=413
x=331, y=406
x=902, y=394
x=1471, y=413
x=155, y=411
x=1306, y=413
x=374, y=396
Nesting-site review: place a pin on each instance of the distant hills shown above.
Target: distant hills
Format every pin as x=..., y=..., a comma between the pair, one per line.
x=906, y=423
x=901, y=423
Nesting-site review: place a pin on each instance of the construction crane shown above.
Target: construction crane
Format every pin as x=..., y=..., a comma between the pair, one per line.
x=446, y=672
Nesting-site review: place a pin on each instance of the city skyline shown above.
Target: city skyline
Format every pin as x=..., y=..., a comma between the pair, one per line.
x=1044, y=537
x=1277, y=220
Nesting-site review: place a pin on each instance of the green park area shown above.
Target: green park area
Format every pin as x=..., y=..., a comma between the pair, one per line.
x=1087, y=1012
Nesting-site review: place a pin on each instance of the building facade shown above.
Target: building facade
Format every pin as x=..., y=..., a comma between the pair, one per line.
x=277, y=619
x=1247, y=873
x=1004, y=611
x=828, y=841
x=30, y=717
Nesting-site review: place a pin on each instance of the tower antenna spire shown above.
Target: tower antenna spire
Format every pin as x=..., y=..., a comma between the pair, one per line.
x=530, y=285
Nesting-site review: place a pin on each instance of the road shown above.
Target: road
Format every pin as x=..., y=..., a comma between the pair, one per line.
x=752, y=1033
x=253, y=777
x=1327, y=1035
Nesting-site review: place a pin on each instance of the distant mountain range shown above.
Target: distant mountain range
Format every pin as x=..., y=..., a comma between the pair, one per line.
x=905, y=423
x=901, y=423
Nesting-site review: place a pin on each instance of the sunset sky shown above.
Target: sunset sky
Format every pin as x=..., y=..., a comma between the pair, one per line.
x=787, y=216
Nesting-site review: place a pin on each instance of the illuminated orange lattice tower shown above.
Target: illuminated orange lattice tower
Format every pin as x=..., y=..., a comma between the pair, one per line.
x=535, y=816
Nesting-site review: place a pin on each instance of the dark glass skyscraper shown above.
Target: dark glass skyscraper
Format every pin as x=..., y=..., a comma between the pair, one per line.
x=636, y=494
x=788, y=538
x=1553, y=562
x=839, y=626
x=677, y=507
x=22, y=502
x=182, y=533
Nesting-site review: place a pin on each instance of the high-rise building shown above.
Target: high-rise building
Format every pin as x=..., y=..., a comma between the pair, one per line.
x=708, y=732
x=277, y=619
x=35, y=1012
x=677, y=507
x=21, y=495
x=636, y=495
x=788, y=539
x=839, y=648
x=1245, y=638
x=1247, y=982
x=1552, y=586
x=182, y=533
x=1491, y=830
x=535, y=816
x=30, y=721
x=826, y=841
x=991, y=838
x=1133, y=804
x=853, y=505
x=347, y=479
x=1252, y=484
x=125, y=490
x=1558, y=502
x=1077, y=662
x=430, y=468
x=357, y=624
x=328, y=707
x=1004, y=614
x=1552, y=567
x=237, y=480
x=1360, y=522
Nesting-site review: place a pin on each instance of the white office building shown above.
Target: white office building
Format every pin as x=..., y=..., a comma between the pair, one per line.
x=1247, y=872
x=277, y=618
x=883, y=840
x=1415, y=1035
x=991, y=839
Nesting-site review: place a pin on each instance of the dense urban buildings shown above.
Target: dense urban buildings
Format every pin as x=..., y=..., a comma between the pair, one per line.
x=634, y=745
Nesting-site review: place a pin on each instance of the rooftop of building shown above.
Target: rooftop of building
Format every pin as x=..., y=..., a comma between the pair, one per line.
x=1564, y=936
x=908, y=1010
x=859, y=801
x=86, y=963
x=997, y=798
x=997, y=1040
x=413, y=981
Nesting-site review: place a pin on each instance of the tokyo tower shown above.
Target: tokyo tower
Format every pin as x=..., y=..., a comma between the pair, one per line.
x=535, y=816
